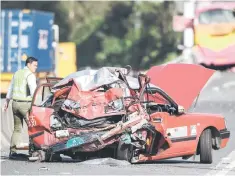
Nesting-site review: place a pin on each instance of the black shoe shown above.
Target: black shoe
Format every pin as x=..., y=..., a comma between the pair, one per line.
x=13, y=155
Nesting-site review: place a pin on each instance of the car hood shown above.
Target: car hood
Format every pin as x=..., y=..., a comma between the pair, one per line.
x=182, y=82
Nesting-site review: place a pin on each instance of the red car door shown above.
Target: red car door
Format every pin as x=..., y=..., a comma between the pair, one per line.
x=177, y=131
x=39, y=116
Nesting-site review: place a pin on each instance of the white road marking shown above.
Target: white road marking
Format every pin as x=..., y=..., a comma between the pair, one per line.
x=65, y=173
x=224, y=166
x=227, y=169
x=224, y=86
x=228, y=84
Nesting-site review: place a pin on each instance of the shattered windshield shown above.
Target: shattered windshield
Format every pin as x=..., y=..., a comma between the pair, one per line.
x=91, y=79
x=217, y=16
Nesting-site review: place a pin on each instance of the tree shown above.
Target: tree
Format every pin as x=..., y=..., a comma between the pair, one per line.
x=139, y=34
x=111, y=33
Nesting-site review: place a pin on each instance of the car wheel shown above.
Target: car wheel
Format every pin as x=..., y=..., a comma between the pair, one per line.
x=43, y=156
x=55, y=157
x=124, y=151
x=206, y=147
x=39, y=155
x=80, y=157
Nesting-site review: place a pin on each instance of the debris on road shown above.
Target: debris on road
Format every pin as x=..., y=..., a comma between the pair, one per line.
x=44, y=169
x=105, y=161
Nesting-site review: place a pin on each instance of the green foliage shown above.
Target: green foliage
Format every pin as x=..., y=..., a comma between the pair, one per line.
x=109, y=33
x=82, y=32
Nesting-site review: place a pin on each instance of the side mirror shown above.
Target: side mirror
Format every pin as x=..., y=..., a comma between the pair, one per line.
x=181, y=109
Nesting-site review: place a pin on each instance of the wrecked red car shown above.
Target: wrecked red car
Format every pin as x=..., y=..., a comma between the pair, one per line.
x=108, y=113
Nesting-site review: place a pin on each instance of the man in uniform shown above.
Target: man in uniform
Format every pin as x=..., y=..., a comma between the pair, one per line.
x=21, y=91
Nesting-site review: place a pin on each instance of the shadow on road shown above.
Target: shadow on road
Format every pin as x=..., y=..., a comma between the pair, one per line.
x=169, y=162
x=20, y=157
x=103, y=161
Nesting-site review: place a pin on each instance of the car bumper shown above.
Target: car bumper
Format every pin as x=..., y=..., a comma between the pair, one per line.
x=224, y=134
x=218, y=61
x=208, y=57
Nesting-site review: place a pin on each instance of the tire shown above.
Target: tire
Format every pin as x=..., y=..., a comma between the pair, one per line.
x=124, y=151
x=206, y=147
x=44, y=156
x=81, y=157
x=55, y=157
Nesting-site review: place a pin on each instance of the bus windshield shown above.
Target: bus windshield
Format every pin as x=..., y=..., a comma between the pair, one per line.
x=217, y=16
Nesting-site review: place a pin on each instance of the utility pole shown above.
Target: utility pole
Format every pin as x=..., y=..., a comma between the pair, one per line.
x=189, y=12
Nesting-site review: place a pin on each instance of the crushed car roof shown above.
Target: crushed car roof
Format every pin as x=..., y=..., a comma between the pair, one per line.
x=91, y=79
x=182, y=82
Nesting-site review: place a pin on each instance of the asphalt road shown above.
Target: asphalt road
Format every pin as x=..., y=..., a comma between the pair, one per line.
x=218, y=96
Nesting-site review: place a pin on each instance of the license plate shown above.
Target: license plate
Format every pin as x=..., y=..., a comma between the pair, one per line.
x=74, y=142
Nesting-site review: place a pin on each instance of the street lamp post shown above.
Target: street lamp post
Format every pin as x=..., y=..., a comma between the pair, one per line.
x=189, y=12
